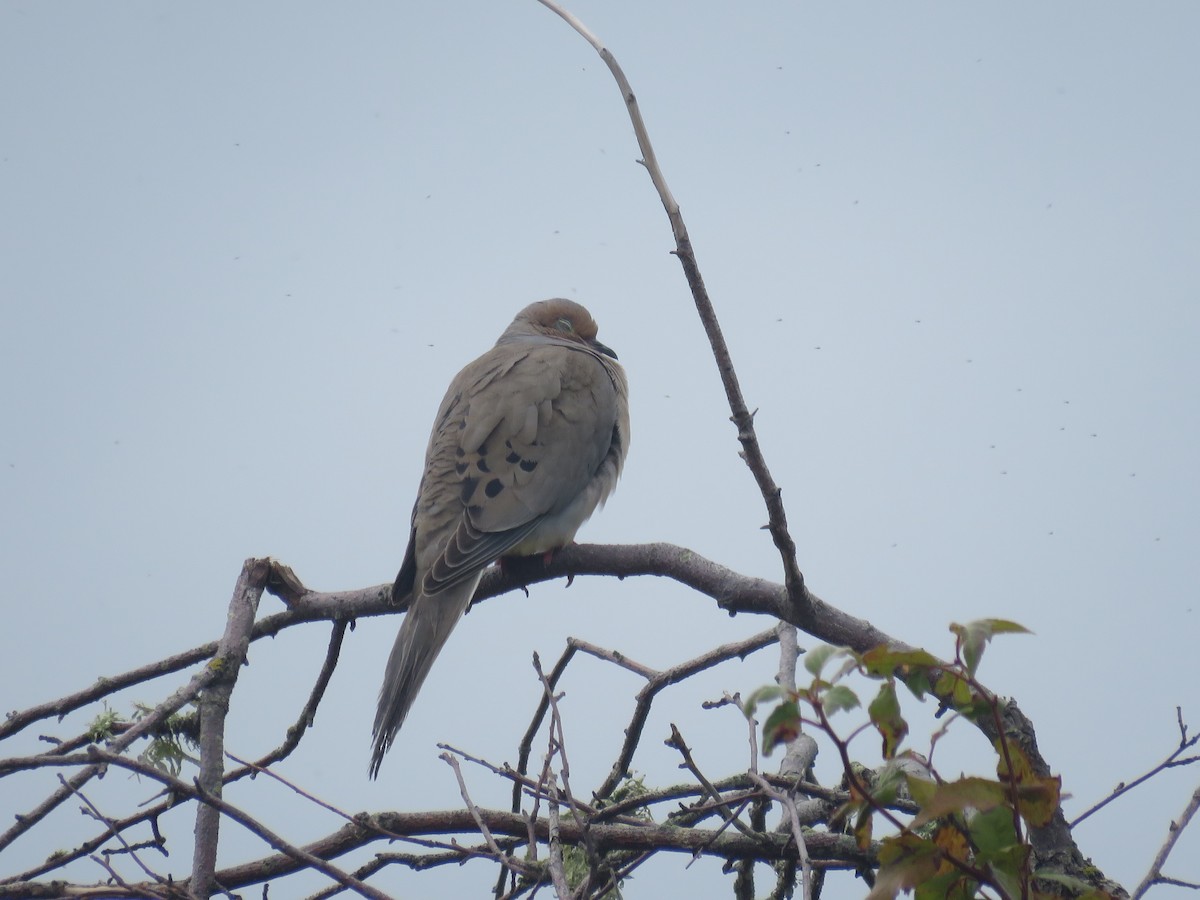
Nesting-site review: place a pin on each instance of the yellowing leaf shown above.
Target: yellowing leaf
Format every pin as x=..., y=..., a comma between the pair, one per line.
x=905, y=861
x=1039, y=800
x=959, y=796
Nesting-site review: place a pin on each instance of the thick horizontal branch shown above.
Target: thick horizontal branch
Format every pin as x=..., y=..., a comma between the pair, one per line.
x=837, y=850
x=768, y=848
x=734, y=592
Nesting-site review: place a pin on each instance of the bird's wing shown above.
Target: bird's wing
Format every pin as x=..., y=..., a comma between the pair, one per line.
x=521, y=434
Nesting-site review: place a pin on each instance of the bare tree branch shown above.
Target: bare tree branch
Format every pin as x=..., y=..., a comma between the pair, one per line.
x=796, y=831
x=1173, y=760
x=129, y=849
x=656, y=682
x=147, y=725
x=732, y=591
x=333, y=606
x=304, y=720
x=214, y=705
x=299, y=855
x=495, y=852
x=743, y=419
x=150, y=814
x=837, y=850
x=1155, y=876
x=558, y=874
x=730, y=816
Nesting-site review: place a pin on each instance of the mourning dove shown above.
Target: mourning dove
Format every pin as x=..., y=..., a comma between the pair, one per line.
x=529, y=440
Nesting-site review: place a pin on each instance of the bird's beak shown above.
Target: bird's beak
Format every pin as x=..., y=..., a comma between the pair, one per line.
x=600, y=348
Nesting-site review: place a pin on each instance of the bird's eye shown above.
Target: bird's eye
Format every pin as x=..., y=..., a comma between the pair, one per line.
x=565, y=326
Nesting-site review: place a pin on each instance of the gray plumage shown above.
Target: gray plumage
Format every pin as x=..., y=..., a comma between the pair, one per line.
x=529, y=440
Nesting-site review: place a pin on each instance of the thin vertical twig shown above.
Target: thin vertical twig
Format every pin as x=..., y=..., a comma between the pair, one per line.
x=742, y=417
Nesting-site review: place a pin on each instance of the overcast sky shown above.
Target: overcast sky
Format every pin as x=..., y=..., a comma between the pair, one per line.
x=244, y=247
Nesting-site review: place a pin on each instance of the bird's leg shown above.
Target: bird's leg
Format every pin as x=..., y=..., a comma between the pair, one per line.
x=528, y=566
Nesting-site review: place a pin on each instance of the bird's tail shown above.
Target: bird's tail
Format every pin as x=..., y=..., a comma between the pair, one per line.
x=426, y=626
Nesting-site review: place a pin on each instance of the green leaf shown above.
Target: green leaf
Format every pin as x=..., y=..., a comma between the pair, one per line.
x=885, y=716
x=1007, y=867
x=575, y=865
x=764, y=694
x=884, y=660
x=992, y=831
x=101, y=727
x=954, y=691
x=863, y=828
x=974, y=636
x=815, y=659
x=949, y=885
x=781, y=727
x=885, y=706
x=632, y=788
x=918, y=681
x=1005, y=626
x=976, y=709
x=839, y=698
x=164, y=754
x=971, y=641
x=889, y=781
x=849, y=664
x=921, y=790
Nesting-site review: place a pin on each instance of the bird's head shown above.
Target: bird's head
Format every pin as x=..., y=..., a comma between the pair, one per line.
x=561, y=320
